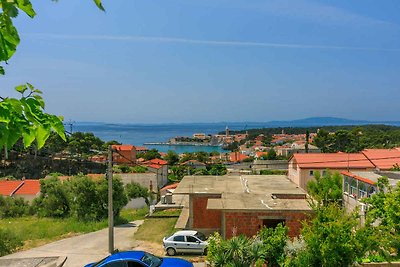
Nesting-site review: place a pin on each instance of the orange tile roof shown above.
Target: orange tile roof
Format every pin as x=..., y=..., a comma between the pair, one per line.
x=155, y=166
x=365, y=180
x=170, y=186
x=7, y=188
x=332, y=161
x=384, y=159
x=29, y=187
x=237, y=157
x=123, y=147
x=158, y=161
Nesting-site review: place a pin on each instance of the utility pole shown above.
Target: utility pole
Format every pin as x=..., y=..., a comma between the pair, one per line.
x=110, y=202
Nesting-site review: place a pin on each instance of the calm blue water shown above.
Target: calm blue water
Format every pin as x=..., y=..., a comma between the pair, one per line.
x=138, y=134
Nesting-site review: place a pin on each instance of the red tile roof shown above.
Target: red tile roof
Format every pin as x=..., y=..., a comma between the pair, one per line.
x=384, y=159
x=237, y=157
x=29, y=187
x=158, y=161
x=332, y=161
x=154, y=166
x=365, y=180
x=170, y=186
x=123, y=147
x=7, y=188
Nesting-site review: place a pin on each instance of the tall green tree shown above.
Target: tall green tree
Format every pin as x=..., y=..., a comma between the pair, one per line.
x=326, y=189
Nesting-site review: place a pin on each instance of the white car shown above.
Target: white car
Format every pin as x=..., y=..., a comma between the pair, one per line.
x=187, y=241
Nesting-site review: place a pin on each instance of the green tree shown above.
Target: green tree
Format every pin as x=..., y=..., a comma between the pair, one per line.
x=135, y=190
x=384, y=210
x=172, y=157
x=274, y=242
x=324, y=141
x=333, y=238
x=54, y=199
x=271, y=155
x=149, y=155
x=326, y=189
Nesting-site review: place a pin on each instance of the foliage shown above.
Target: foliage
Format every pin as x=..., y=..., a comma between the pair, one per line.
x=271, y=155
x=9, y=242
x=149, y=155
x=384, y=210
x=8, y=33
x=135, y=190
x=332, y=238
x=84, y=143
x=266, y=247
x=13, y=207
x=25, y=118
x=326, y=189
x=216, y=169
x=172, y=157
x=54, y=199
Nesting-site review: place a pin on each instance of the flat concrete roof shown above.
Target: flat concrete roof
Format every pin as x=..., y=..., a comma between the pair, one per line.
x=246, y=192
x=256, y=202
x=253, y=184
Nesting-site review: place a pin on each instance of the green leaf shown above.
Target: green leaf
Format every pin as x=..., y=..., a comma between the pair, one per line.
x=26, y=6
x=2, y=72
x=42, y=133
x=58, y=126
x=28, y=137
x=99, y=5
x=21, y=88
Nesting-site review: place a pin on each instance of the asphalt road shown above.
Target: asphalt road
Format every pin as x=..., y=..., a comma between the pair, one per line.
x=86, y=248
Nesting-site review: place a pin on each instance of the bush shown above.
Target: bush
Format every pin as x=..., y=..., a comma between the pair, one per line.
x=54, y=200
x=9, y=242
x=13, y=207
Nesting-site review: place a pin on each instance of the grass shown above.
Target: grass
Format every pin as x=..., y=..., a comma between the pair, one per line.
x=154, y=230
x=34, y=231
x=167, y=213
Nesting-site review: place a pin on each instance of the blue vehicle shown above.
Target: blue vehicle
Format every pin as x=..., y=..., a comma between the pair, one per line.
x=138, y=259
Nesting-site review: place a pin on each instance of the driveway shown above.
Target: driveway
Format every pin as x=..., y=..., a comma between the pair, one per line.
x=91, y=247
x=86, y=248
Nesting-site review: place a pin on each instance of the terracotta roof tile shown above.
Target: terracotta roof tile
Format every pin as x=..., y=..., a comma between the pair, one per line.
x=123, y=147
x=384, y=159
x=30, y=187
x=8, y=187
x=332, y=161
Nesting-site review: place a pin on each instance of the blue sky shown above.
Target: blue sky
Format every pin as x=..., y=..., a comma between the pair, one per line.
x=211, y=60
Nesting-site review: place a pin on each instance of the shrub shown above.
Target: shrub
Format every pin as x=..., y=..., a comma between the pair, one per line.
x=9, y=242
x=13, y=207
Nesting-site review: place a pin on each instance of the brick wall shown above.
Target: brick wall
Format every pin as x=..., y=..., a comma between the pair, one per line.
x=249, y=223
x=203, y=218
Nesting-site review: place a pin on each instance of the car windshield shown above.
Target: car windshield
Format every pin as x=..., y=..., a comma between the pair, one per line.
x=151, y=260
x=200, y=236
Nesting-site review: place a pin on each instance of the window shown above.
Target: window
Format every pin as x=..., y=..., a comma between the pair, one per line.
x=116, y=264
x=179, y=238
x=135, y=264
x=191, y=239
x=273, y=223
x=311, y=173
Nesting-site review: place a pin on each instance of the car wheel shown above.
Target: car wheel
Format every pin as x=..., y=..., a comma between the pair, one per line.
x=171, y=252
x=205, y=251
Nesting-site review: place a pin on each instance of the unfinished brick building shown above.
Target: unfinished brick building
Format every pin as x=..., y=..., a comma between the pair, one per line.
x=234, y=205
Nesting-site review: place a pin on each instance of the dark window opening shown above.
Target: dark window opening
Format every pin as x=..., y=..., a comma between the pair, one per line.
x=273, y=223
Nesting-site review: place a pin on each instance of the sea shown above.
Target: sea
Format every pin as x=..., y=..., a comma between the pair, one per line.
x=139, y=134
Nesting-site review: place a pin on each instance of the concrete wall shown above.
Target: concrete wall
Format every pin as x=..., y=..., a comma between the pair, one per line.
x=249, y=223
x=270, y=165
